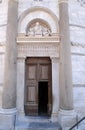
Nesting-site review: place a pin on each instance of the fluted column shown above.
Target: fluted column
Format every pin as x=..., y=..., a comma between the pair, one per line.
x=66, y=93
x=9, y=90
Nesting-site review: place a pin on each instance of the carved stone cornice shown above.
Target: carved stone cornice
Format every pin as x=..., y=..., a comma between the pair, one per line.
x=54, y=59
x=13, y=0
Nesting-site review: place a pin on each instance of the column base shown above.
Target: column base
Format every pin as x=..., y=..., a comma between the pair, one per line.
x=7, y=119
x=54, y=117
x=67, y=118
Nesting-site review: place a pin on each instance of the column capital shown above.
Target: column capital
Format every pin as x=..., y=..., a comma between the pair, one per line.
x=13, y=0
x=21, y=59
x=62, y=1
x=54, y=59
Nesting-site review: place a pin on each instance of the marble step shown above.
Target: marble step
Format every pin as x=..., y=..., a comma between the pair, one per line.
x=39, y=126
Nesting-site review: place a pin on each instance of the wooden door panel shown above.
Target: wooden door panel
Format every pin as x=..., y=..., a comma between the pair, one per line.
x=31, y=106
x=32, y=72
x=31, y=82
x=44, y=72
x=37, y=69
x=31, y=96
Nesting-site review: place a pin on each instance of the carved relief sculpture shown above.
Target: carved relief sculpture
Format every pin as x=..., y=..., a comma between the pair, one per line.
x=38, y=29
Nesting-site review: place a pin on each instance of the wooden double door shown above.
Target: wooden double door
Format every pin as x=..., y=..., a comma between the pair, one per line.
x=38, y=90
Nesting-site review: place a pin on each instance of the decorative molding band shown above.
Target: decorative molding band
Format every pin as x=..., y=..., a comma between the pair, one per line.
x=36, y=39
x=14, y=0
x=79, y=85
x=78, y=44
x=3, y=25
x=8, y=111
x=54, y=59
x=78, y=54
x=76, y=25
x=62, y=1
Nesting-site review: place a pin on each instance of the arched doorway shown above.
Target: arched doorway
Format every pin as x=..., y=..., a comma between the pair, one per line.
x=38, y=90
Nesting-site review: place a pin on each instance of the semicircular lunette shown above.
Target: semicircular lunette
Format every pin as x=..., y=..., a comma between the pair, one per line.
x=39, y=28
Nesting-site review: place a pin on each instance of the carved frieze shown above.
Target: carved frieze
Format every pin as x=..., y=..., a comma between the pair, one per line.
x=23, y=38
x=34, y=46
x=32, y=49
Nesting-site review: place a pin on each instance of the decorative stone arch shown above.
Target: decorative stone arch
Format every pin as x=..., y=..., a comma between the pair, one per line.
x=38, y=13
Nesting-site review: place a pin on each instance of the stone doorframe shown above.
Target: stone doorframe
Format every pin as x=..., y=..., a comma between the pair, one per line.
x=38, y=47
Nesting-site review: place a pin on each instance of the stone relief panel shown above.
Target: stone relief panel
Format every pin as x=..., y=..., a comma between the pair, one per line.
x=38, y=29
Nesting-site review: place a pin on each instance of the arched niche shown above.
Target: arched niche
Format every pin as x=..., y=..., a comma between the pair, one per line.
x=38, y=13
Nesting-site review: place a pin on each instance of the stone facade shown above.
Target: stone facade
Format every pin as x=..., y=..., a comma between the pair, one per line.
x=35, y=31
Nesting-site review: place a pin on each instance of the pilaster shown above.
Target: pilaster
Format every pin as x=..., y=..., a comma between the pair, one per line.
x=20, y=85
x=55, y=88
